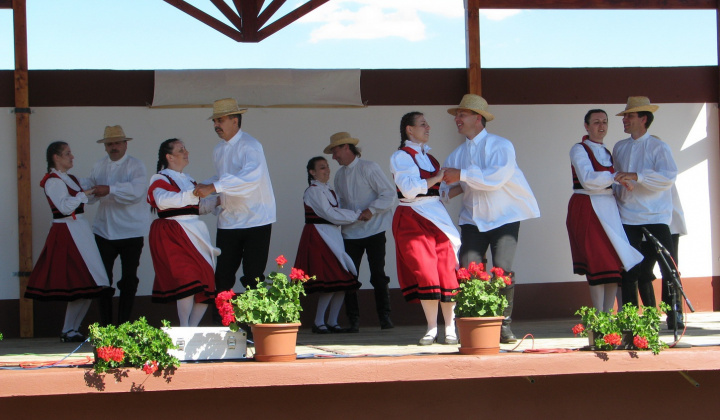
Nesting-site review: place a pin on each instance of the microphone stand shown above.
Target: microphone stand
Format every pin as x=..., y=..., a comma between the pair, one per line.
x=665, y=258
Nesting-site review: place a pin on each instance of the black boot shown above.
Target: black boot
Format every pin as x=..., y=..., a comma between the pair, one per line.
x=125, y=309
x=352, y=310
x=105, y=305
x=506, y=334
x=382, y=303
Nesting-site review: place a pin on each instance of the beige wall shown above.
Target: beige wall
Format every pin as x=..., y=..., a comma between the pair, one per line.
x=542, y=136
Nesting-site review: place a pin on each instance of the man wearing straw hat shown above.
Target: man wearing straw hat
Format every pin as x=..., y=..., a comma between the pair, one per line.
x=645, y=172
x=362, y=185
x=496, y=195
x=247, y=201
x=122, y=218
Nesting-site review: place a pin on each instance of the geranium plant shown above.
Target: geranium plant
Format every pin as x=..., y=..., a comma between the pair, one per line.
x=274, y=301
x=136, y=344
x=479, y=294
x=643, y=323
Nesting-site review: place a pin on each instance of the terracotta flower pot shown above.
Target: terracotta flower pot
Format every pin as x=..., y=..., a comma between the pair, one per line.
x=479, y=335
x=275, y=342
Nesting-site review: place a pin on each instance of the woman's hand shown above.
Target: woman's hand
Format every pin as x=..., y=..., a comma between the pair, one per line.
x=89, y=191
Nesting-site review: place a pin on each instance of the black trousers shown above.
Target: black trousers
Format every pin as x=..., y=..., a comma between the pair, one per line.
x=129, y=251
x=647, y=266
x=249, y=247
x=637, y=277
x=502, y=242
x=374, y=246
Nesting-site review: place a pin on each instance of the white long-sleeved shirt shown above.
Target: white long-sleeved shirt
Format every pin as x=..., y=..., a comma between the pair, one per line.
x=124, y=212
x=650, y=201
x=243, y=182
x=165, y=199
x=495, y=191
x=363, y=185
x=56, y=190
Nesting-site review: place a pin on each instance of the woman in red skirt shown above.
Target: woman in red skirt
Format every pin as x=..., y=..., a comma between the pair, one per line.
x=321, y=252
x=69, y=268
x=600, y=249
x=426, y=240
x=182, y=254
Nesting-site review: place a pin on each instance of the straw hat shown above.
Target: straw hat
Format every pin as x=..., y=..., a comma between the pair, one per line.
x=338, y=139
x=224, y=107
x=112, y=134
x=638, y=104
x=473, y=103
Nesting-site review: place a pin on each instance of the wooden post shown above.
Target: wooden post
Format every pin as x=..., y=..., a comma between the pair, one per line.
x=22, y=122
x=472, y=40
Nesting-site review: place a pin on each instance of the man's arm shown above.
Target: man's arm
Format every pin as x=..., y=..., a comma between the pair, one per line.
x=133, y=191
x=383, y=188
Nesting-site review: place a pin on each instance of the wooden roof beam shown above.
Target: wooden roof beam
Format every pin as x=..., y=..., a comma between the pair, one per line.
x=206, y=19
x=290, y=18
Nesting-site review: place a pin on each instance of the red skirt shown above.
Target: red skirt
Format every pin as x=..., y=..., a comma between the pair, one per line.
x=315, y=258
x=425, y=258
x=60, y=273
x=180, y=270
x=592, y=252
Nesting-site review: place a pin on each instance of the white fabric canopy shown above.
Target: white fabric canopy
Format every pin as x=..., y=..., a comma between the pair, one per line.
x=258, y=88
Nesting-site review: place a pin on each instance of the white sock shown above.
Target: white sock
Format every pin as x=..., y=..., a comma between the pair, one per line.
x=448, y=311
x=323, y=302
x=74, y=314
x=184, y=308
x=603, y=296
x=336, y=303
x=611, y=290
x=430, y=307
x=198, y=311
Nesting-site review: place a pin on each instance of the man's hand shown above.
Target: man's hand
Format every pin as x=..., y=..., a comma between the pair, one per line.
x=203, y=190
x=452, y=175
x=365, y=215
x=624, y=178
x=101, y=190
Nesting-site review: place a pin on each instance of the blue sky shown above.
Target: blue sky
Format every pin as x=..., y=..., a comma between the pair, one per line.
x=370, y=34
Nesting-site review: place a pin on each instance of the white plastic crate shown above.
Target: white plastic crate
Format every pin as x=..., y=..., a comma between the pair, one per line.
x=207, y=343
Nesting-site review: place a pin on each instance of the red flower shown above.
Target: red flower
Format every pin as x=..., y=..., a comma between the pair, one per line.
x=497, y=271
x=640, y=342
x=578, y=329
x=298, y=274
x=463, y=274
x=281, y=260
x=150, y=367
x=484, y=276
x=225, y=308
x=476, y=269
x=109, y=353
x=507, y=280
x=613, y=339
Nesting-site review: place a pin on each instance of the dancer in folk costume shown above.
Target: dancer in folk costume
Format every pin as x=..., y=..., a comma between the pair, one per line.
x=426, y=240
x=182, y=254
x=600, y=249
x=69, y=268
x=321, y=252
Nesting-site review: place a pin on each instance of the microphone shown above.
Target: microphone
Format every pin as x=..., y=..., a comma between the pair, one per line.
x=659, y=246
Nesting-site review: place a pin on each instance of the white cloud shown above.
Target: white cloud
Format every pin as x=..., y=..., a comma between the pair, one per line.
x=373, y=19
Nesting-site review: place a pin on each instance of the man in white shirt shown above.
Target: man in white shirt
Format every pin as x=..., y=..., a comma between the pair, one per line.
x=122, y=218
x=362, y=185
x=247, y=203
x=496, y=196
x=645, y=172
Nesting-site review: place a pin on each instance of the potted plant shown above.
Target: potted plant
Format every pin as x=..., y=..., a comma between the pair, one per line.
x=272, y=310
x=479, y=308
x=629, y=329
x=136, y=344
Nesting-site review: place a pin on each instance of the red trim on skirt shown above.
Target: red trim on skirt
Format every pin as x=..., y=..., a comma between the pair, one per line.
x=61, y=273
x=316, y=258
x=592, y=252
x=180, y=269
x=425, y=258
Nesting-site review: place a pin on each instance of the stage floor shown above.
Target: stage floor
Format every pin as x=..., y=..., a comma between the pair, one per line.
x=703, y=330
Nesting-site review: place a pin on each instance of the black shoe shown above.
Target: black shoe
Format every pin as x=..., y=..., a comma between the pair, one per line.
x=354, y=327
x=320, y=329
x=386, y=323
x=506, y=335
x=673, y=318
x=336, y=329
x=76, y=338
